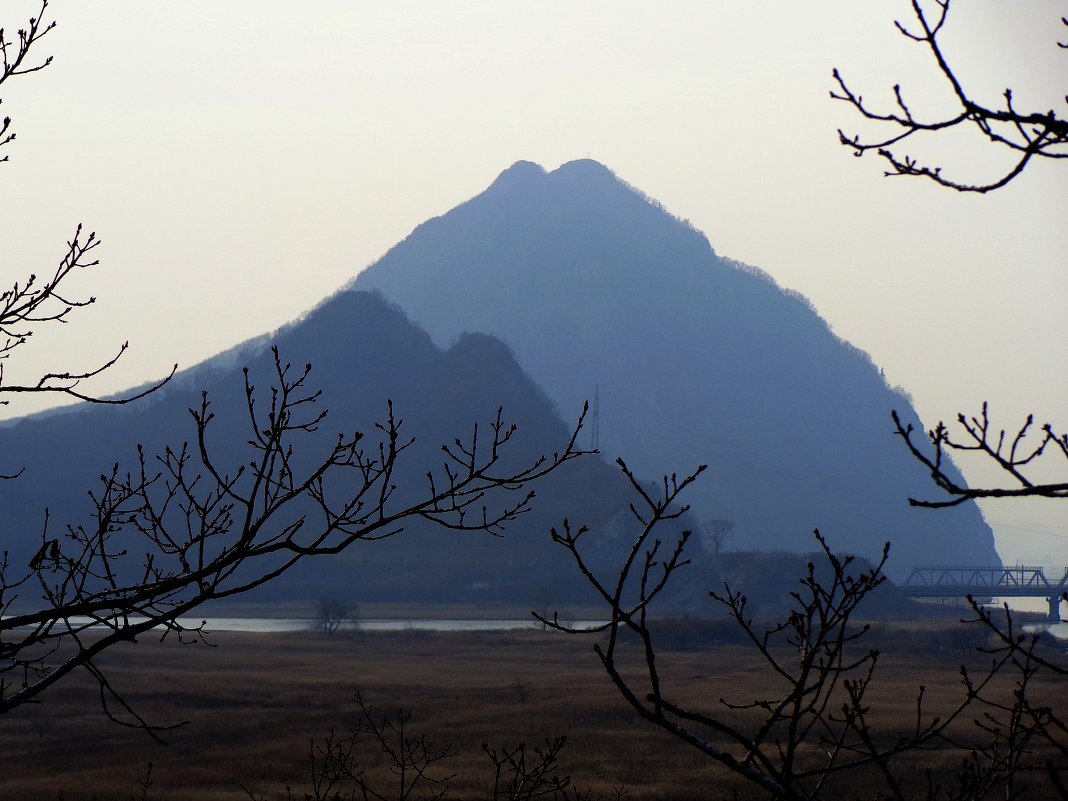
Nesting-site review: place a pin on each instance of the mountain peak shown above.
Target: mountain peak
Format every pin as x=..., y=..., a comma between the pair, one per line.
x=593, y=285
x=520, y=172
x=577, y=172
x=584, y=167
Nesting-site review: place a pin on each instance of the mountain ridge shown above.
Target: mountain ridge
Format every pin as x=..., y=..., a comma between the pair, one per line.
x=539, y=292
x=696, y=359
x=364, y=352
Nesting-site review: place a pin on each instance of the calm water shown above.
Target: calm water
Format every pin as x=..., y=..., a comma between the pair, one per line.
x=1058, y=630
x=287, y=624
x=408, y=624
x=266, y=624
x=284, y=624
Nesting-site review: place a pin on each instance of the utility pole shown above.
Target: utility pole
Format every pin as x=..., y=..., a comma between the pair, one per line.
x=595, y=419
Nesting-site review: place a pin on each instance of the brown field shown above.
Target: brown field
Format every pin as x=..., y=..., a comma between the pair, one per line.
x=255, y=702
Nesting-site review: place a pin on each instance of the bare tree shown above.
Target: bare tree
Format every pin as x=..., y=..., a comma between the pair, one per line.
x=179, y=528
x=1010, y=727
x=714, y=533
x=347, y=767
x=814, y=730
x=331, y=615
x=524, y=774
x=1030, y=134
x=412, y=758
x=817, y=726
x=341, y=769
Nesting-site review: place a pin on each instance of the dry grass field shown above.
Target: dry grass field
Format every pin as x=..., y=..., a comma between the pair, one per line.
x=256, y=701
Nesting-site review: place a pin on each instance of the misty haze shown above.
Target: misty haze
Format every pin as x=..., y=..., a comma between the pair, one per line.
x=554, y=499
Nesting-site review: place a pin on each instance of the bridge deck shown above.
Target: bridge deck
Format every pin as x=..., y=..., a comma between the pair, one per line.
x=1013, y=582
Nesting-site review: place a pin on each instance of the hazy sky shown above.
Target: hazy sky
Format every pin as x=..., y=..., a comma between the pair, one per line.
x=243, y=159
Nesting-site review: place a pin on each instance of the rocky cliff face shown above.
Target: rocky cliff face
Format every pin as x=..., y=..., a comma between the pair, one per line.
x=697, y=360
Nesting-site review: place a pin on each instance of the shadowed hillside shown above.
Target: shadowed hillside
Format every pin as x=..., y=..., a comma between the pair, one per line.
x=363, y=352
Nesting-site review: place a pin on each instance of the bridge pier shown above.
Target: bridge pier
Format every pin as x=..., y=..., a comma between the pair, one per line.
x=1054, y=608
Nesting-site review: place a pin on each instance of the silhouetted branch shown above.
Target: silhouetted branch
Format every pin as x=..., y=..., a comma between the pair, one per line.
x=13, y=53
x=1011, y=638
x=382, y=759
x=35, y=301
x=1014, y=454
x=180, y=529
x=814, y=724
x=1028, y=134
x=522, y=774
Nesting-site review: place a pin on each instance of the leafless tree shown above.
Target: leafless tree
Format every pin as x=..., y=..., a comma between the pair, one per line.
x=1027, y=134
x=1015, y=454
x=1014, y=727
x=815, y=728
x=342, y=769
x=714, y=533
x=1011, y=727
x=331, y=615
x=180, y=528
x=523, y=773
x=347, y=767
x=412, y=758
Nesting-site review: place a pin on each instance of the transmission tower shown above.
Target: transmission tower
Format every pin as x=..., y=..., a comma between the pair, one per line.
x=595, y=419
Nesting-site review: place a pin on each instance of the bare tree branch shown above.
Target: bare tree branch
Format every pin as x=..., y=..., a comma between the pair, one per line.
x=1015, y=455
x=816, y=726
x=180, y=529
x=13, y=54
x=382, y=759
x=35, y=301
x=1027, y=134
x=45, y=302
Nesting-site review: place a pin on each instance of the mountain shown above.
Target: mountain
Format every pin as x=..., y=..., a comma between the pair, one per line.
x=695, y=359
x=363, y=351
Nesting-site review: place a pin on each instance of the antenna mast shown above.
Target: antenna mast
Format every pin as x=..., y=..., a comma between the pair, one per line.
x=595, y=419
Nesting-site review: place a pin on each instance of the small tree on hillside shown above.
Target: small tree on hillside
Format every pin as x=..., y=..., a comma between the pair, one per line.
x=714, y=533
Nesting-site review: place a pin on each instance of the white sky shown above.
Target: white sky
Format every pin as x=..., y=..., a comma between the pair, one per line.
x=243, y=159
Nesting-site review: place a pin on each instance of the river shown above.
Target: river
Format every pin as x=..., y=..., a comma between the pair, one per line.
x=278, y=625
x=269, y=624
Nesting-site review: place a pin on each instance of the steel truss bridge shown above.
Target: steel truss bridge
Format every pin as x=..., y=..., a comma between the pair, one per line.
x=1017, y=581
